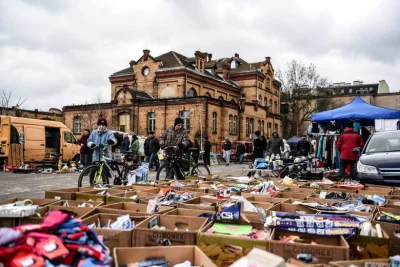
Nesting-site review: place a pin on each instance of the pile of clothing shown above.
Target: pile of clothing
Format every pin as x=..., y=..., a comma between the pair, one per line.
x=171, y=198
x=264, y=188
x=60, y=241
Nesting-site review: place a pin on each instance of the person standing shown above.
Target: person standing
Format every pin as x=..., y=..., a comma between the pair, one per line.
x=154, y=148
x=146, y=147
x=303, y=147
x=264, y=145
x=365, y=134
x=99, y=138
x=135, y=149
x=346, y=144
x=85, y=151
x=241, y=149
x=195, y=149
x=258, y=145
x=275, y=144
x=187, y=150
x=175, y=136
x=125, y=144
x=286, y=149
x=227, y=151
x=207, y=151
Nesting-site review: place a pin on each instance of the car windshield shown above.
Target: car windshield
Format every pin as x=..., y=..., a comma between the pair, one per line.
x=387, y=142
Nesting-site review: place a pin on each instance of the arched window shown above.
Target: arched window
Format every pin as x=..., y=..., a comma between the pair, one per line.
x=191, y=93
x=233, y=100
x=77, y=125
x=275, y=107
x=269, y=128
x=207, y=94
x=235, y=124
x=268, y=85
x=230, y=124
x=247, y=126
x=151, y=122
x=259, y=125
x=262, y=127
x=251, y=125
x=270, y=106
x=276, y=127
x=259, y=98
x=185, y=116
x=214, y=122
x=124, y=122
x=265, y=101
x=221, y=98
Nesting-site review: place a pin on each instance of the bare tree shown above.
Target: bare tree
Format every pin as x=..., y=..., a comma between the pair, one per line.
x=304, y=93
x=6, y=105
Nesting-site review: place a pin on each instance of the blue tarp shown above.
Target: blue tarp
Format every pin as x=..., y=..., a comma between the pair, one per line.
x=357, y=110
x=293, y=140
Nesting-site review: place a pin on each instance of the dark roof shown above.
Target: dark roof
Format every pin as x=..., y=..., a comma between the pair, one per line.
x=141, y=94
x=127, y=71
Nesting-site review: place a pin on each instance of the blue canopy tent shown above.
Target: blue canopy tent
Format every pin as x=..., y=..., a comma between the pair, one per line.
x=357, y=110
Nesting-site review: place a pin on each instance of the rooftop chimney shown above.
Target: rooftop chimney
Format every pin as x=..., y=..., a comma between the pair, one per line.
x=268, y=60
x=132, y=63
x=209, y=57
x=236, y=55
x=146, y=53
x=200, y=60
x=226, y=72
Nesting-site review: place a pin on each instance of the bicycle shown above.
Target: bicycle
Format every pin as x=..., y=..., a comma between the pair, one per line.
x=100, y=172
x=174, y=166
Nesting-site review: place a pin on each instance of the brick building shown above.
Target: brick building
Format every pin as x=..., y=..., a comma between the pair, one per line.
x=218, y=98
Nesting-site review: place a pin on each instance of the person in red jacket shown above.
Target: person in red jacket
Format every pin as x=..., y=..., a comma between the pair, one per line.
x=347, y=142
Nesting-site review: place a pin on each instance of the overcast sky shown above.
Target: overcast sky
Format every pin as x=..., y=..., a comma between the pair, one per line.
x=57, y=53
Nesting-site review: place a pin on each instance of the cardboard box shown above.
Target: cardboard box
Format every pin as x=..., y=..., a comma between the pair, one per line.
x=198, y=204
x=133, y=209
x=65, y=193
x=92, y=195
x=153, y=237
x=368, y=247
x=41, y=202
x=188, y=212
x=78, y=212
x=8, y=222
x=123, y=256
x=301, y=196
x=390, y=229
x=128, y=197
x=262, y=198
x=356, y=263
x=75, y=203
x=218, y=247
x=374, y=189
x=113, y=237
x=328, y=248
x=393, y=203
x=285, y=207
x=322, y=200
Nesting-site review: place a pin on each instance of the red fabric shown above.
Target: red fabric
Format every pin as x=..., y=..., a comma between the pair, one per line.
x=346, y=144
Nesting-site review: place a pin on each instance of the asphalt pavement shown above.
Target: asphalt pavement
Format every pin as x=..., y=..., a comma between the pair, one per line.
x=33, y=185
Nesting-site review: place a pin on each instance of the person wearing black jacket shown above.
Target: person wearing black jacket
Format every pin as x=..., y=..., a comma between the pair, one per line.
x=146, y=146
x=125, y=144
x=258, y=146
x=154, y=147
x=303, y=147
x=241, y=149
x=264, y=145
x=207, y=151
x=195, y=151
x=227, y=150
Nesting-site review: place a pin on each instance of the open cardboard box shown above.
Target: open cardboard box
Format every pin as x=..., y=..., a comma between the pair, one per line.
x=114, y=238
x=188, y=228
x=393, y=203
x=65, y=193
x=322, y=200
x=200, y=204
x=134, y=197
x=328, y=248
x=369, y=247
x=93, y=195
x=390, y=229
x=133, y=209
x=263, y=198
x=291, y=194
x=75, y=203
x=356, y=262
x=174, y=255
x=78, y=212
x=41, y=202
x=285, y=207
x=225, y=249
x=188, y=212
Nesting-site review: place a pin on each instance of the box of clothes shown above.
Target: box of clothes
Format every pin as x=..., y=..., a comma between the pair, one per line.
x=133, y=209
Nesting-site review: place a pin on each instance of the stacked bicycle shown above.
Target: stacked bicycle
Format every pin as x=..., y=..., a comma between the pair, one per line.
x=176, y=168
x=100, y=173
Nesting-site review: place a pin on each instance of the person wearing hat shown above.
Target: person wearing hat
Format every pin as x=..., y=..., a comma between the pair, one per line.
x=207, y=151
x=275, y=144
x=227, y=150
x=346, y=144
x=175, y=136
x=100, y=137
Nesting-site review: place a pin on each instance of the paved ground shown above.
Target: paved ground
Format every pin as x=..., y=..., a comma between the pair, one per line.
x=33, y=185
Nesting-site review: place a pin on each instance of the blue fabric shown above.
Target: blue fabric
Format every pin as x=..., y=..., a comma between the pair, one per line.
x=262, y=166
x=98, y=139
x=357, y=110
x=319, y=153
x=356, y=127
x=241, y=158
x=154, y=159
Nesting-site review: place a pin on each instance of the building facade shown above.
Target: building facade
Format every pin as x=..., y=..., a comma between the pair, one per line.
x=226, y=97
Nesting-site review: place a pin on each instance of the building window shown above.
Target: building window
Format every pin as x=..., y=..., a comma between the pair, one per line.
x=151, y=122
x=145, y=71
x=276, y=127
x=243, y=96
x=269, y=128
x=268, y=83
x=270, y=106
x=69, y=138
x=191, y=93
x=342, y=91
x=259, y=125
x=207, y=94
x=251, y=125
x=235, y=124
x=265, y=101
x=275, y=107
x=221, y=98
x=350, y=91
x=214, y=122
x=247, y=126
x=77, y=125
x=230, y=124
x=262, y=127
x=185, y=116
x=124, y=122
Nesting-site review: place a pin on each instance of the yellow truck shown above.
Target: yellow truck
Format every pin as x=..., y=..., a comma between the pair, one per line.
x=38, y=141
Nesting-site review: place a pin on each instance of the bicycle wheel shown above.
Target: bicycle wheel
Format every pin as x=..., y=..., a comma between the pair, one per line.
x=165, y=172
x=200, y=169
x=89, y=177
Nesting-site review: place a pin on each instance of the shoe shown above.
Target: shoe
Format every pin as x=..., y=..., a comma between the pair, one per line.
x=227, y=164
